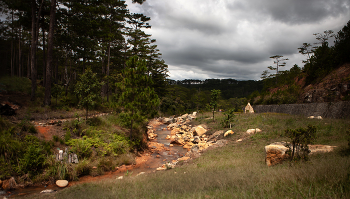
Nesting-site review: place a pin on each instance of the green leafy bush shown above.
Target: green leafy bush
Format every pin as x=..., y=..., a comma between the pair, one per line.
x=228, y=118
x=300, y=138
x=82, y=147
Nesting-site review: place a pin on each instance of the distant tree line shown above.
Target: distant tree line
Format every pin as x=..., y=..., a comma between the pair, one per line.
x=230, y=88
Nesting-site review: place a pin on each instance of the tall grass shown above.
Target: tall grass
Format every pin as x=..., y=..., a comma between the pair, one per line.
x=238, y=170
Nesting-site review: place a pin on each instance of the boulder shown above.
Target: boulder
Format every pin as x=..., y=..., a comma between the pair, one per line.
x=194, y=114
x=229, y=132
x=188, y=145
x=196, y=139
x=216, y=135
x=275, y=153
x=9, y=184
x=199, y=130
x=252, y=131
x=177, y=140
x=183, y=158
x=320, y=148
x=185, y=116
x=174, y=131
x=62, y=183
x=221, y=143
x=168, y=120
x=47, y=191
x=173, y=125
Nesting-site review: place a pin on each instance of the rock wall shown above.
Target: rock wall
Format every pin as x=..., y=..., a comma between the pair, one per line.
x=326, y=110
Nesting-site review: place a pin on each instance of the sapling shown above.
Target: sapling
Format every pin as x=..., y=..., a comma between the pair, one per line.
x=300, y=138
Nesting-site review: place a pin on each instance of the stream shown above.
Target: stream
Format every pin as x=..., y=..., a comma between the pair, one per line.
x=150, y=164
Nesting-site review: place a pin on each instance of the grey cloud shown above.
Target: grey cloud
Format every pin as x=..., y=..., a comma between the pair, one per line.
x=301, y=11
x=235, y=38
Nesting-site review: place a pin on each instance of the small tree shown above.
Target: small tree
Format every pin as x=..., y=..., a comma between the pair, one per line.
x=279, y=61
x=215, y=94
x=228, y=119
x=306, y=49
x=137, y=96
x=300, y=139
x=88, y=89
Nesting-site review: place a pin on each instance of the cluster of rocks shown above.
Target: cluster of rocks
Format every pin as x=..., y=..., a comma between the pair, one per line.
x=277, y=152
x=192, y=138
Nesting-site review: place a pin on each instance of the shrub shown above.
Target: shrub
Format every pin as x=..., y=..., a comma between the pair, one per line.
x=33, y=160
x=67, y=136
x=83, y=168
x=228, y=118
x=106, y=164
x=82, y=147
x=94, y=121
x=300, y=139
x=55, y=138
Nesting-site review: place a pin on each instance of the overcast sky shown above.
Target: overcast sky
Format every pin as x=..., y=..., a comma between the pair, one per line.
x=202, y=39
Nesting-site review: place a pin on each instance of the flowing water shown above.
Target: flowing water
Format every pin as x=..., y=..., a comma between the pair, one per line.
x=150, y=165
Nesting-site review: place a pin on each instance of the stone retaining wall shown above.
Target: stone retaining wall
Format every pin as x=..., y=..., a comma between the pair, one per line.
x=326, y=109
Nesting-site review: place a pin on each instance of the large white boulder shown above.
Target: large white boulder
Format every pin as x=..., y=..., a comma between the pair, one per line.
x=252, y=131
x=229, y=132
x=199, y=130
x=275, y=153
x=62, y=183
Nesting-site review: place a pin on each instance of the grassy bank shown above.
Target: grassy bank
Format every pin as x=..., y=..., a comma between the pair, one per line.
x=238, y=170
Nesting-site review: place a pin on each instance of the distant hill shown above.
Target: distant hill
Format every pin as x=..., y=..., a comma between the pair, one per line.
x=230, y=88
x=333, y=87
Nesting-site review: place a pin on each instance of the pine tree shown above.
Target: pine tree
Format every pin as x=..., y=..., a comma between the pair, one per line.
x=138, y=98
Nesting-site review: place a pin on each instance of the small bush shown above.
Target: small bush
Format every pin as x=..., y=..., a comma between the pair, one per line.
x=83, y=168
x=228, y=118
x=55, y=138
x=67, y=136
x=82, y=147
x=94, y=121
x=300, y=139
x=106, y=164
x=33, y=160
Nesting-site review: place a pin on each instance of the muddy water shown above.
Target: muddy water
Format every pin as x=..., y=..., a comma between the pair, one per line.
x=151, y=163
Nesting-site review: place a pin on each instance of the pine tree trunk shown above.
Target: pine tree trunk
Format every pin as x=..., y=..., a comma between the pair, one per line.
x=19, y=54
x=28, y=66
x=47, y=100
x=107, y=71
x=44, y=56
x=12, y=56
x=32, y=51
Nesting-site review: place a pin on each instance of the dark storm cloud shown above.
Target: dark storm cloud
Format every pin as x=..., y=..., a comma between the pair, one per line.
x=234, y=39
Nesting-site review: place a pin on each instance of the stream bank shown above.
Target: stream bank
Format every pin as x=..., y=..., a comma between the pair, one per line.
x=158, y=154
